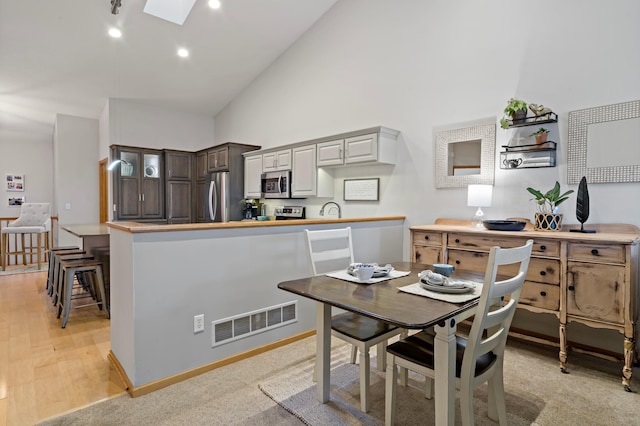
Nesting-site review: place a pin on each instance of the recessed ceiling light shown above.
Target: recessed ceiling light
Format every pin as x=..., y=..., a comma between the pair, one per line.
x=183, y=53
x=115, y=33
x=214, y=4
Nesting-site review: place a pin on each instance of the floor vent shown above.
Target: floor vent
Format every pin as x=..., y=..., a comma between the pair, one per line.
x=244, y=325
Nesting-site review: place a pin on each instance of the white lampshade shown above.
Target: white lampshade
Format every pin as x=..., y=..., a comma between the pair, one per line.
x=479, y=195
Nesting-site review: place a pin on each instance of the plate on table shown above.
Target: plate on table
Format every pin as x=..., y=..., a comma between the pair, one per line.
x=450, y=288
x=379, y=272
x=504, y=225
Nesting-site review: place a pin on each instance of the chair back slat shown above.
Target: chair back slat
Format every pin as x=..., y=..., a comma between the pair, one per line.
x=329, y=249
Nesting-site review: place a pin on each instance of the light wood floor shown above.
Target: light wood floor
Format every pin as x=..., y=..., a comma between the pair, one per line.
x=46, y=370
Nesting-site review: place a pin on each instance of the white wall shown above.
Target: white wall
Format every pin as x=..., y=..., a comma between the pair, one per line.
x=419, y=66
x=137, y=124
x=32, y=159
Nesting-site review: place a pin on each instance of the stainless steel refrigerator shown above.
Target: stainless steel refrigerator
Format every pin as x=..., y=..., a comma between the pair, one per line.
x=224, y=193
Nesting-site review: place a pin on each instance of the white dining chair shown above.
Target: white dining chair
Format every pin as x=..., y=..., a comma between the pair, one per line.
x=331, y=250
x=479, y=358
x=35, y=218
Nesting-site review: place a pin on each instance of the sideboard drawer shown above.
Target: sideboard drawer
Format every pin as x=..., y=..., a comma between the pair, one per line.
x=540, y=270
x=597, y=253
x=543, y=296
x=427, y=238
x=427, y=254
x=548, y=248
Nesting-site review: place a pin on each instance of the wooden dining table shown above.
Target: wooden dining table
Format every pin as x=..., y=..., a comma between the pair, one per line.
x=383, y=301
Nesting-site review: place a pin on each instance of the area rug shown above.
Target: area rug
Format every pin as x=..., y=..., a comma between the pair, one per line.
x=536, y=393
x=21, y=269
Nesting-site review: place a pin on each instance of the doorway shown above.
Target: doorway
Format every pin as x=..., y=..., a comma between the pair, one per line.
x=104, y=190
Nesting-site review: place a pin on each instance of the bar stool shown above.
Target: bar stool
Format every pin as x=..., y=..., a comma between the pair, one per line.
x=58, y=273
x=52, y=259
x=69, y=270
x=35, y=218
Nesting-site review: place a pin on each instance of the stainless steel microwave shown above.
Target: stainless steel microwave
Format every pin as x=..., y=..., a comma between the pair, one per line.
x=276, y=184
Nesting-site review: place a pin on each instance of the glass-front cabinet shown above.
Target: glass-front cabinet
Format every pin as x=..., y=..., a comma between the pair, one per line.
x=138, y=184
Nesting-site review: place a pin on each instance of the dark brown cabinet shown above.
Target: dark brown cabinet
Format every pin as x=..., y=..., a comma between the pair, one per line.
x=172, y=186
x=218, y=159
x=179, y=195
x=138, y=184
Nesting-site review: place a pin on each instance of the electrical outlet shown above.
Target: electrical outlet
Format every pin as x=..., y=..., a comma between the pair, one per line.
x=198, y=323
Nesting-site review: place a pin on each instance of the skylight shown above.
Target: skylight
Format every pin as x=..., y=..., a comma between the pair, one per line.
x=175, y=11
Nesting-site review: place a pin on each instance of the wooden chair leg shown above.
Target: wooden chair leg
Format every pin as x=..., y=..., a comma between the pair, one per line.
x=364, y=379
x=39, y=249
x=24, y=251
x=390, y=391
x=3, y=251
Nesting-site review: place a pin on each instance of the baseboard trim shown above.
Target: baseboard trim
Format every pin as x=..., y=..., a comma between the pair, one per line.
x=136, y=391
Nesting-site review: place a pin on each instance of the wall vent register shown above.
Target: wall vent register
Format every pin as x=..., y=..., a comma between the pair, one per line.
x=237, y=327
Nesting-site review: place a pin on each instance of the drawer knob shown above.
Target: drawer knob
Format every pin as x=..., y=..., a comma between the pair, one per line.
x=457, y=262
x=543, y=273
x=426, y=237
x=594, y=252
x=543, y=293
x=571, y=288
x=457, y=240
x=543, y=248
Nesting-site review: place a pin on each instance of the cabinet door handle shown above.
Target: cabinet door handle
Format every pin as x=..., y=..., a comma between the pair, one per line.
x=457, y=262
x=457, y=240
x=426, y=237
x=571, y=288
x=543, y=273
x=143, y=198
x=594, y=252
x=543, y=293
x=543, y=248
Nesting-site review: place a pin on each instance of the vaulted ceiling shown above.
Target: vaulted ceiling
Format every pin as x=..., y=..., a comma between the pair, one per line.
x=56, y=55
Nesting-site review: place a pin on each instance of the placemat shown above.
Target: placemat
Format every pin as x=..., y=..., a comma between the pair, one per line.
x=344, y=275
x=417, y=289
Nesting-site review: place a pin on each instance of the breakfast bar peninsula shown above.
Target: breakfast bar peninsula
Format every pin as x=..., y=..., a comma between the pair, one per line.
x=165, y=278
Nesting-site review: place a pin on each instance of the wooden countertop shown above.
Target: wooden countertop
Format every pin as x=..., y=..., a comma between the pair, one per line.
x=136, y=227
x=616, y=233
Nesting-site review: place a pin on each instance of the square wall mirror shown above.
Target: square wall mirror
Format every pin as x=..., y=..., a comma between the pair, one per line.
x=465, y=156
x=604, y=144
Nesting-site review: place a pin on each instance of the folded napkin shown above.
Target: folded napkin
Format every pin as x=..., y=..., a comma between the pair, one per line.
x=438, y=280
x=418, y=290
x=344, y=275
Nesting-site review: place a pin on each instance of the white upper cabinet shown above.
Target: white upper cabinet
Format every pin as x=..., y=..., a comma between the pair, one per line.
x=361, y=149
x=377, y=147
x=330, y=153
x=307, y=180
x=252, y=176
x=277, y=160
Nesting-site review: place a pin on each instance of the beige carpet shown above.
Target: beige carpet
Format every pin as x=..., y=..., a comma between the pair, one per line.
x=21, y=269
x=537, y=394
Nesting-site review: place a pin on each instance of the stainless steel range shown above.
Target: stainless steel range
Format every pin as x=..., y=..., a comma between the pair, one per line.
x=289, y=212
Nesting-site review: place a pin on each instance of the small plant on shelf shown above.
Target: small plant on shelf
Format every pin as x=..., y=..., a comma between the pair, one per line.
x=547, y=217
x=516, y=110
x=541, y=135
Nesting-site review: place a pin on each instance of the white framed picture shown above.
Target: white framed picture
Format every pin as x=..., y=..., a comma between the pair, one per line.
x=16, y=201
x=15, y=182
x=362, y=189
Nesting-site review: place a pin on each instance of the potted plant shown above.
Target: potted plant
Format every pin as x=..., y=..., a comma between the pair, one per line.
x=516, y=110
x=547, y=217
x=540, y=135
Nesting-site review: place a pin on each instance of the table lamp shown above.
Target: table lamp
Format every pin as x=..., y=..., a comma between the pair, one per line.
x=479, y=196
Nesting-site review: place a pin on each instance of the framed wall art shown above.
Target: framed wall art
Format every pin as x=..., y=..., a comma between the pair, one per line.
x=362, y=189
x=14, y=182
x=16, y=201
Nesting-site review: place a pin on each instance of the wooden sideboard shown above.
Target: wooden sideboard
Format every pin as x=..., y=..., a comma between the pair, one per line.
x=587, y=278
